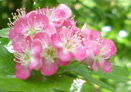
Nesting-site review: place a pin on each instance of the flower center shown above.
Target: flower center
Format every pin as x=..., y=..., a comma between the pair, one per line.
x=70, y=40
x=23, y=57
x=49, y=54
x=102, y=54
x=31, y=32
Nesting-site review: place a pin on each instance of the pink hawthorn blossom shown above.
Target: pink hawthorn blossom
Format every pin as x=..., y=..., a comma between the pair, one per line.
x=98, y=51
x=68, y=44
x=48, y=55
x=28, y=58
x=57, y=15
x=45, y=38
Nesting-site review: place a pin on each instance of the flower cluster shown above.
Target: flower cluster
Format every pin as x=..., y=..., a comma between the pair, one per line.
x=45, y=38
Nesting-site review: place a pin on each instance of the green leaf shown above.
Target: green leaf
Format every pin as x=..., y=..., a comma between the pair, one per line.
x=4, y=41
x=118, y=74
x=7, y=65
x=37, y=83
x=82, y=70
x=87, y=87
x=66, y=1
x=4, y=32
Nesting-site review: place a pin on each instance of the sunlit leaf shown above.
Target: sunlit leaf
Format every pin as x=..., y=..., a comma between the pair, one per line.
x=7, y=65
x=83, y=71
x=4, y=32
x=87, y=87
x=118, y=74
x=37, y=83
x=4, y=41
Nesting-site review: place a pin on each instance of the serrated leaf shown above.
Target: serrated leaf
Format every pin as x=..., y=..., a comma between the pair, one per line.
x=66, y=1
x=4, y=41
x=7, y=65
x=83, y=71
x=4, y=32
x=37, y=83
x=118, y=74
x=87, y=87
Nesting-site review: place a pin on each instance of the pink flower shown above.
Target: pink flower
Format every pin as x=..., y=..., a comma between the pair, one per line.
x=68, y=44
x=28, y=58
x=40, y=23
x=48, y=55
x=109, y=48
x=98, y=51
x=29, y=25
x=57, y=15
x=100, y=55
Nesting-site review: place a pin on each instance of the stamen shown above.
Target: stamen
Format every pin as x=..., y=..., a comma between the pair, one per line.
x=34, y=20
x=73, y=17
x=21, y=13
x=49, y=53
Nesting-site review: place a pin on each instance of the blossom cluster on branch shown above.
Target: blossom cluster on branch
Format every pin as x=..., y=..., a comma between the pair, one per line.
x=45, y=38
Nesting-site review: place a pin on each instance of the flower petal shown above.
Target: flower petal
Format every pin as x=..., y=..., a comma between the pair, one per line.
x=21, y=26
x=66, y=9
x=92, y=46
x=85, y=31
x=110, y=47
x=38, y=20
x=94, y=66
x=12, y=34
x=48, y=68
x=35, y=62
x=64, y=56
x=62, y=63
x=56, y=41
x=68, y=23
x=106, y=66
x=94, y=35
x=59, y=15
x=50, y=30
x=22, y=72
x=19, y=43
x=36, y=47
x=80, y=53
x=43, y=37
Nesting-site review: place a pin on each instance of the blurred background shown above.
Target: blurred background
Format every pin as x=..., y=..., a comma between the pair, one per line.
x=111, y=17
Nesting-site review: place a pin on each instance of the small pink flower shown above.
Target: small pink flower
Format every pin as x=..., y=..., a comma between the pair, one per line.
x=68, y=44
x=98, y=51
x=57, y=15
x=29, y=25
x=109, y=48
x=48, y=55
x=28, y=58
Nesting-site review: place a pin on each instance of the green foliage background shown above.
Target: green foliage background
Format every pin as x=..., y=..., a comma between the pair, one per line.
x=116, y=14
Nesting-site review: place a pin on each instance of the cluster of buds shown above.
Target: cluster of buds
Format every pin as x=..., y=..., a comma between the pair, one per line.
x=45, y=38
